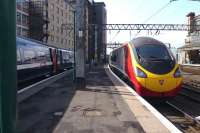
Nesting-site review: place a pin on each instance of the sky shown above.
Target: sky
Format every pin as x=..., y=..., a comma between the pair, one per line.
x=138, y=11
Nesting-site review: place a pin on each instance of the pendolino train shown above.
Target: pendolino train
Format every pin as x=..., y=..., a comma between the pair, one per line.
x=36, y=59
x=149, y=66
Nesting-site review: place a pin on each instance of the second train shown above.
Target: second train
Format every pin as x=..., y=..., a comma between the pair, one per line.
x=149, y=66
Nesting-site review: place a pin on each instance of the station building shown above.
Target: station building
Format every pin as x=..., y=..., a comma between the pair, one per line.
x=46, y=19
x=190, y=52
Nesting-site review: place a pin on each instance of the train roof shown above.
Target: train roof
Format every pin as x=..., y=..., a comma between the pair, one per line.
x=38, y=43
x=137, y=42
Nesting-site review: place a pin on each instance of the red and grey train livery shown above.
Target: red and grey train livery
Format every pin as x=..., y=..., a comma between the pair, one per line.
x=36, y=59
x=150, y=67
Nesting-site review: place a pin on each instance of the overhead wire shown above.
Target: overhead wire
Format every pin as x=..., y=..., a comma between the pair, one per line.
x=157, y=12
x=115, y=35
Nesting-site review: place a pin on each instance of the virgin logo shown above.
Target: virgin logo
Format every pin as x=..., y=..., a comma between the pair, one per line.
x=161, y=82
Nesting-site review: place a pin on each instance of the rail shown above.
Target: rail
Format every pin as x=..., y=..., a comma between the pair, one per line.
x=185, y=122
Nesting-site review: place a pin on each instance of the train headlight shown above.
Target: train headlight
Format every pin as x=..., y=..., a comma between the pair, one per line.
x=177, y=73
x=140, y=73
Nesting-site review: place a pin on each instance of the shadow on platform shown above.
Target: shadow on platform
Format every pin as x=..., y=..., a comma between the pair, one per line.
x=42, y=112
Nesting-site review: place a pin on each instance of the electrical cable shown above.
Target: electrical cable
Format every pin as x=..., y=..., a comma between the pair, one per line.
x=157, y=12
x=115, y=35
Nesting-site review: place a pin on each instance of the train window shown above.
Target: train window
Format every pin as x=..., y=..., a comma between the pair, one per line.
x=29, y=56
x=41, y=53
x=41, y=56
x=153, y=52
x=18, y=57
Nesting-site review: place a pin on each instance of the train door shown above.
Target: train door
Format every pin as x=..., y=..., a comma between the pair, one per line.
x=58, y=57
x=53, y=59
x=61, y=60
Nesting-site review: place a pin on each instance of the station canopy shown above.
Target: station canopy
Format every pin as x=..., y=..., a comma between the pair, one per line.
x=190, y=47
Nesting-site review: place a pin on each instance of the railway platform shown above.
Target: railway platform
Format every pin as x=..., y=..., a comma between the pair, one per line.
x=106, y=105
x=192, y=80
x=191, y=76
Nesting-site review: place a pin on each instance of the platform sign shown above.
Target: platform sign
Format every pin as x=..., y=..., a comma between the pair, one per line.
x=8, y=66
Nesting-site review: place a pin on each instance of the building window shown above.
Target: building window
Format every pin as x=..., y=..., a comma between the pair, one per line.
x=53, y=17
x=52, y=38
x=19, y=4
x=56, y=38
x=24, y=32
x=19, y=31
x=25, y=6
x=57, y=29
x=18, y=18
x=57, y=20
x=65, y=6
x=62, y=13
x=52, y=28
x=57, y=10
x=45, y=14
x=66, y=15
x=24, y=20
x=61, y=30
x=52, y=6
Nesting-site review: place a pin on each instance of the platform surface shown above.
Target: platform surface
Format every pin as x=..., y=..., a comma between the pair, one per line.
x=104, y=106
x=94, y=109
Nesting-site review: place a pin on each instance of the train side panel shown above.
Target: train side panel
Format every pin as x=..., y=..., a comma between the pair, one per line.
x=117, y=60
x=33, y=60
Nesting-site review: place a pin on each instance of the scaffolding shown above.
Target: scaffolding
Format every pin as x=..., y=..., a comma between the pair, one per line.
x=39, y=21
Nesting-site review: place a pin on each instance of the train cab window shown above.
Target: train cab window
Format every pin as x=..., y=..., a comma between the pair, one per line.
x=29, y=56
x=153, y=52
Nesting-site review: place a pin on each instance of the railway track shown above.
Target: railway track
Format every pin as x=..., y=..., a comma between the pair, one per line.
x=184, y=121
x=191, y=93
x=183, y=110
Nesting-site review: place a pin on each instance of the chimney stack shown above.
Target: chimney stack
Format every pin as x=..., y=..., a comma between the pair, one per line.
x=191, y=22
